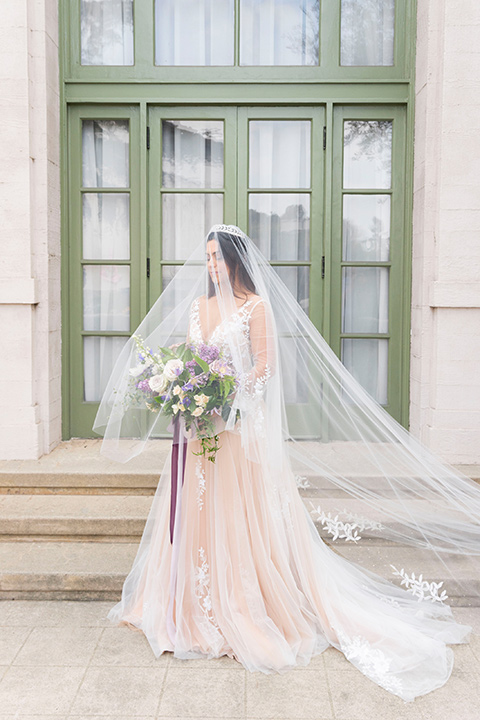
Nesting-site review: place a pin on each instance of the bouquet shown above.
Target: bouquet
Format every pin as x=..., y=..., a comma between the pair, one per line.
x=187, y=381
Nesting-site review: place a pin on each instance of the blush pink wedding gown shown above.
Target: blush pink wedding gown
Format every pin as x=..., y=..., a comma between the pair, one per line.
x=248, y=576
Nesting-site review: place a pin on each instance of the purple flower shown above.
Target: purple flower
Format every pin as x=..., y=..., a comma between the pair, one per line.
x=209, y=353
x=144, y=386
x=188, y=386
x=186, y=401
x=177, y=371
x=191, y=365
x=201, y=379
x=221, y=367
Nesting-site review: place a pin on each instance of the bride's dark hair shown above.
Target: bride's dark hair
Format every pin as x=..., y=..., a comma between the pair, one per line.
x=229, y=246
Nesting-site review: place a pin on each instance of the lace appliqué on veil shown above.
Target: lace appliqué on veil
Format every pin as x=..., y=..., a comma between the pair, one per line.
x=202, y=590
x=200, y=475
x=195, y=330
x=371, y=661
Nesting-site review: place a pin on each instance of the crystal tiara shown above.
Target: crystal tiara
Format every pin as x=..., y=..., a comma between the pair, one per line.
x=232, y=229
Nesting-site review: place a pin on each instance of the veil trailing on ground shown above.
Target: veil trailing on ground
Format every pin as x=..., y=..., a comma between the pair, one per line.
x=373, y=491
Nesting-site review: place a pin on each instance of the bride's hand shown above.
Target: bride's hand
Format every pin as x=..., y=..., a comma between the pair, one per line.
x=174, y=346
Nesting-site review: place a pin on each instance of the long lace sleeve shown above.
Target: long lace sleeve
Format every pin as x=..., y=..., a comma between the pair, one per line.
x=262, y=342
x=262, y=346
x=250, y=396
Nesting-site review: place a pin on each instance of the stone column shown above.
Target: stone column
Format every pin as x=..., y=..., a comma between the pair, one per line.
x=30, y=393
x=445, y=350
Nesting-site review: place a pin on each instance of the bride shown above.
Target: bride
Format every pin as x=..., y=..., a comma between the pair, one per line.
x=231, y=560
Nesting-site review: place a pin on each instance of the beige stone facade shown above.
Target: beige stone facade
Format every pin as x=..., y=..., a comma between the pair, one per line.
x=30, y=317
x=445, y=348
x=445, y=339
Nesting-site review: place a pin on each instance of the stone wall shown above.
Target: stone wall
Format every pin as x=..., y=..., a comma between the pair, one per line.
x=445, y=344
x=30, y=320
x=445, y=349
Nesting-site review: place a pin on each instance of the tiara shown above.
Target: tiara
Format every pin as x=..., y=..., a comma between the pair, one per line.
x=232, y=229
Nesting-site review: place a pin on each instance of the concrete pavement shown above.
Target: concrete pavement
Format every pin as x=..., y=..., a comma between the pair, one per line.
x=64, y=659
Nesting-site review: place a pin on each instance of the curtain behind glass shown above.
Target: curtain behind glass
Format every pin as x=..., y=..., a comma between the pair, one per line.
x=279, y=32
x=194, y=33
x=367, y=32
x=106, y=28
x=106, y=236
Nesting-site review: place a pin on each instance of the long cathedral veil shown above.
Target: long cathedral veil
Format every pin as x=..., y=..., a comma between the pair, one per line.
x=370, y=489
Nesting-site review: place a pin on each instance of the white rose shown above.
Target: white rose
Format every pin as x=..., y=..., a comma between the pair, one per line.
x=201, y=399
x=158, y=383
x=136, y=371
x=197, y=412
x=177, y=390
x=170, y=367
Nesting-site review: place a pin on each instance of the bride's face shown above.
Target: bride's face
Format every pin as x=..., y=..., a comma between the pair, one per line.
x=217, y=267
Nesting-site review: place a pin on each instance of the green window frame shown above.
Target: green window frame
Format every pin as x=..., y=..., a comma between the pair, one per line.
x=329, y=92
x=81, y=412
x=399, y=278
x=328, y=69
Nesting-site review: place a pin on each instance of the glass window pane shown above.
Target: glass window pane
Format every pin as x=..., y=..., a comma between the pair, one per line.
x=367, y=28
x=186, y=219
x=284, y=32
x=367, y=154
x=280, y=225
x=192, y=154
x=279, y=153
x=366, y=227
x=367, y=360
x=106, y=226
x=106, y=297
x=296, y=385
x=99, y=357
x=365, y=299
x=297, y=281
x=105, y=146
x=194, y=33
x=106, y=28
x=172, y=300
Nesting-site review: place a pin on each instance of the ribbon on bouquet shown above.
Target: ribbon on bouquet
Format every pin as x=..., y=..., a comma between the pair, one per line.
x=179, y=446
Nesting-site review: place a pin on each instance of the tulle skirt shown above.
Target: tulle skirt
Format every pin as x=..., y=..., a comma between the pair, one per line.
x=248, y=576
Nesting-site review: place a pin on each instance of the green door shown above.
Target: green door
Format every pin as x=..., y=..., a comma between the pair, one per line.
x=257, y=167
x=104, y=284
x=322, y=193
x=368, y=285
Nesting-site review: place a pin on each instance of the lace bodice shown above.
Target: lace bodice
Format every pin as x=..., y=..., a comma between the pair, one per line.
x=238, y=324
x=251, y=340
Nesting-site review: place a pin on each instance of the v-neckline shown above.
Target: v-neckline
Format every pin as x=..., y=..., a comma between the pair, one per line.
x=206, y=342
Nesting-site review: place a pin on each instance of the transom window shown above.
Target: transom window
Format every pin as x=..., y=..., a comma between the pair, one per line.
x=243, y=33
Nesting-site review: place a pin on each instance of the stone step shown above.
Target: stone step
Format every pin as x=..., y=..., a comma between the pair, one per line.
x=73, y=517
x=76, y=467
x=122, y=518
x=89, y=570
x=64, y=570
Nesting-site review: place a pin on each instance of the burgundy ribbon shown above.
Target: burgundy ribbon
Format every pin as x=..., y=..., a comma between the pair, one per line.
x=177, y=442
